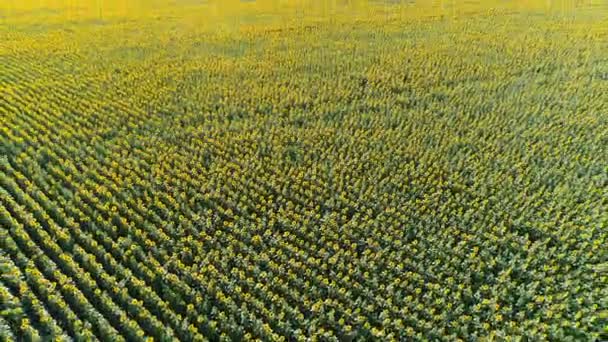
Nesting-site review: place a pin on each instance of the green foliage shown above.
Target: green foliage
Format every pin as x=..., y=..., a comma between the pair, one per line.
x=392, y=177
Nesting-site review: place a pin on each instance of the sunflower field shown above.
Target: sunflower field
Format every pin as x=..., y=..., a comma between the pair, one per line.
x=280, y=170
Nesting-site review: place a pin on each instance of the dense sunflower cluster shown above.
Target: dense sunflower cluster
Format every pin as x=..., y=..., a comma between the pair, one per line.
x=395, y=178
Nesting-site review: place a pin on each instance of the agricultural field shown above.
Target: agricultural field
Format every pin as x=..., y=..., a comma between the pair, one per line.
x=303, y=170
